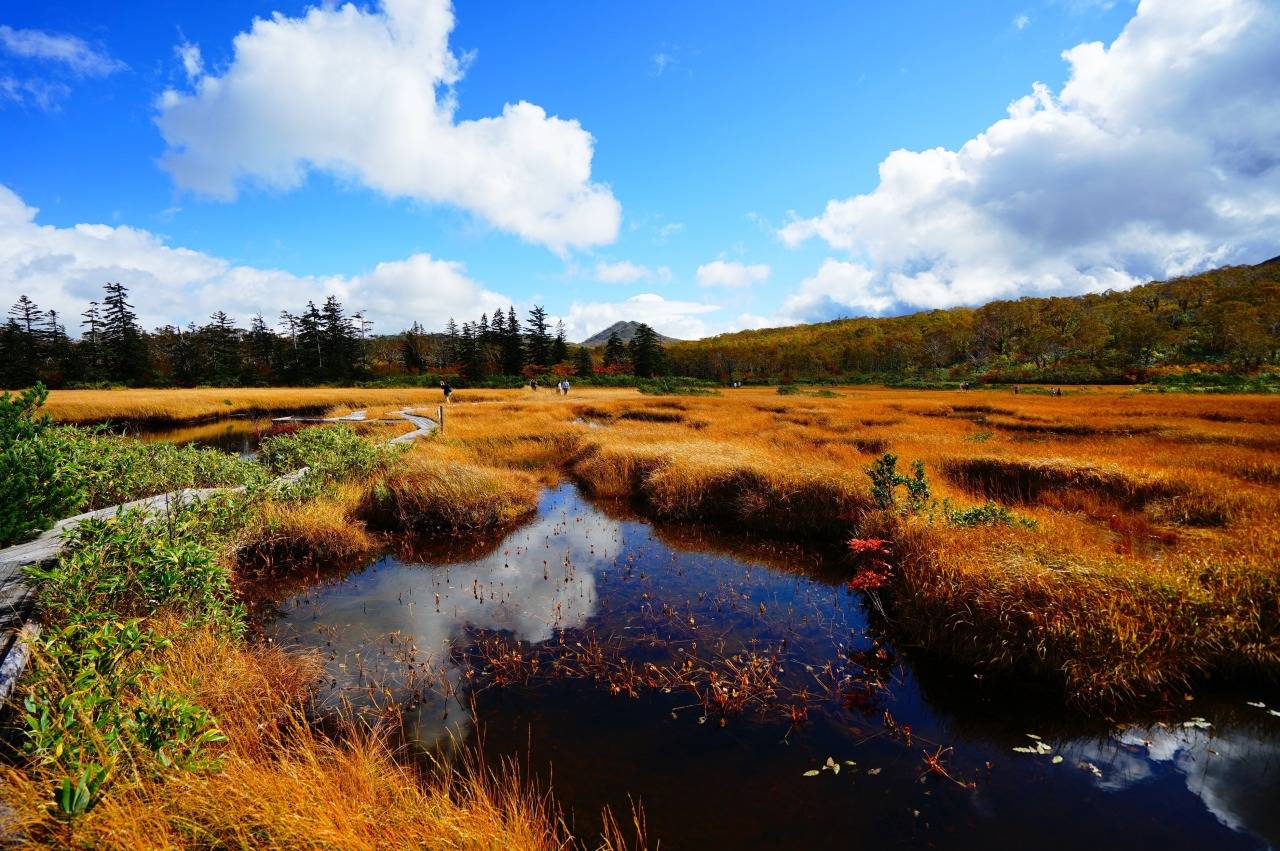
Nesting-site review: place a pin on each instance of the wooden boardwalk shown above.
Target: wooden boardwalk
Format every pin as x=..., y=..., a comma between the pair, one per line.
x=18, y=621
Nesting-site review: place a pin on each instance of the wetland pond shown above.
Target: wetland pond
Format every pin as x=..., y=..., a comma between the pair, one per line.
x=235, y=435
x=740, y=693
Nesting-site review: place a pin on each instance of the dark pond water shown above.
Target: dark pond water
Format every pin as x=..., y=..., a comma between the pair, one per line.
x=239, y=435
x=673, y=665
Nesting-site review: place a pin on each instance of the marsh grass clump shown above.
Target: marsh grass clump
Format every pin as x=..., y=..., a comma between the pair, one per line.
x=721, y=482
x=287, y=531
x=428, y=495
x=1092, y=489
x=1105, y=629
x=651, y=416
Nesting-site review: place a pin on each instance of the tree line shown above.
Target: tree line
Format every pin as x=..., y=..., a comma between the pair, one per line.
x=1227, y=319
x=321, y=344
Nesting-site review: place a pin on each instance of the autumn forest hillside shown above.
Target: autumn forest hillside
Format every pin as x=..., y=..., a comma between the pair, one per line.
x=1226, y=320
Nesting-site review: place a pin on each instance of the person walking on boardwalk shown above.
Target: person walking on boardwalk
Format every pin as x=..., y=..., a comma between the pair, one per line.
x=533, y=384
x=564, y=387
x=447, y=390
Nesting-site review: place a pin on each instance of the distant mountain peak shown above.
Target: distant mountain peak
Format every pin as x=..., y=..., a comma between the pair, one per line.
x=624, y=330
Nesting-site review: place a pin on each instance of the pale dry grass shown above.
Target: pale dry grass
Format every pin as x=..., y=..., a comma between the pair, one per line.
x=425, y=494
x=186, y=405
x=284, y=533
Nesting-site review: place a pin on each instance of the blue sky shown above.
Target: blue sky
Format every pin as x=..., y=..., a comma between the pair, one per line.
x=745, y=140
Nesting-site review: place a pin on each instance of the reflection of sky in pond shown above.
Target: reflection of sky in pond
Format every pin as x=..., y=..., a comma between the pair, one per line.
x=541, y=577
x=575, y=571
x=1225, y=770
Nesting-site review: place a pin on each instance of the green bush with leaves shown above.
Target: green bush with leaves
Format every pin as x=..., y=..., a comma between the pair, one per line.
x=885, y=479
x=670, y=386
x=113, y=469
x=330, y=453
x=38, y=482
x=130, y=567
x=988, y=514
x=87, y=714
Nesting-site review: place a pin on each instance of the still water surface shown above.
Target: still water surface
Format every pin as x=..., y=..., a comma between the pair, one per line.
x=238, y=435
x=588, y=582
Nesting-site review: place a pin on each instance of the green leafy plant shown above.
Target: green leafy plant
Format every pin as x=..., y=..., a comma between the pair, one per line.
x=132, y=567
x=885, y=480
x=38, y=484
x=988, y=514
x=329, y=454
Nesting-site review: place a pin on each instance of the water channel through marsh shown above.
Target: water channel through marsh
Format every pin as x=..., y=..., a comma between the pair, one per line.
x=742, y=695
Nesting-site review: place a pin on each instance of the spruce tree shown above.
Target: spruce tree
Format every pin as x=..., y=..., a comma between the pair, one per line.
x=512, y=345
x=452, y=350
x=559, y=347
x=311, y=355
x=25, y=345
x=539, y=337
x=222, y=350
x=615, y=353
x=582, y=362
x=124, y=346
x=260, y=351
x=646, y=352
x=411, y=350
x=91, y=343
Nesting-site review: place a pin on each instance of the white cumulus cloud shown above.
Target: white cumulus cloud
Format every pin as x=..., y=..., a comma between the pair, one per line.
x=365, y=94
x=730, y=273
x=836, y=288
x=65, y=268
x=1159, y=156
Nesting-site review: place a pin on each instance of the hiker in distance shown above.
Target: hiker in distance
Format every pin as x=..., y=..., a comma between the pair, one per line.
x=447, y=390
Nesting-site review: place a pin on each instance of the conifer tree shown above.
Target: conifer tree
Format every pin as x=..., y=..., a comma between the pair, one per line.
x=539, y=337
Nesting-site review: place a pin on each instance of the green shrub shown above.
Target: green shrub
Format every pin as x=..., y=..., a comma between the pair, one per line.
x=671, y=386
x=87, y=717
x=130, y=567
x=988, y=514
x=885, y=479
x=331, y=453
x=38, y=482
x=114, y=469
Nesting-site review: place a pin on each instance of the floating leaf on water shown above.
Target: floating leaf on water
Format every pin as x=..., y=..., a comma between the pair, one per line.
x=1033, y=736
x=1275, y=712
x=1091, y=768
x=1057, y=759
x=830, y=762
x=849, y=762
x=1024, y=750
x=1198, y=723
x=1256, y=704
x=813, y=772
x=873, y=771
